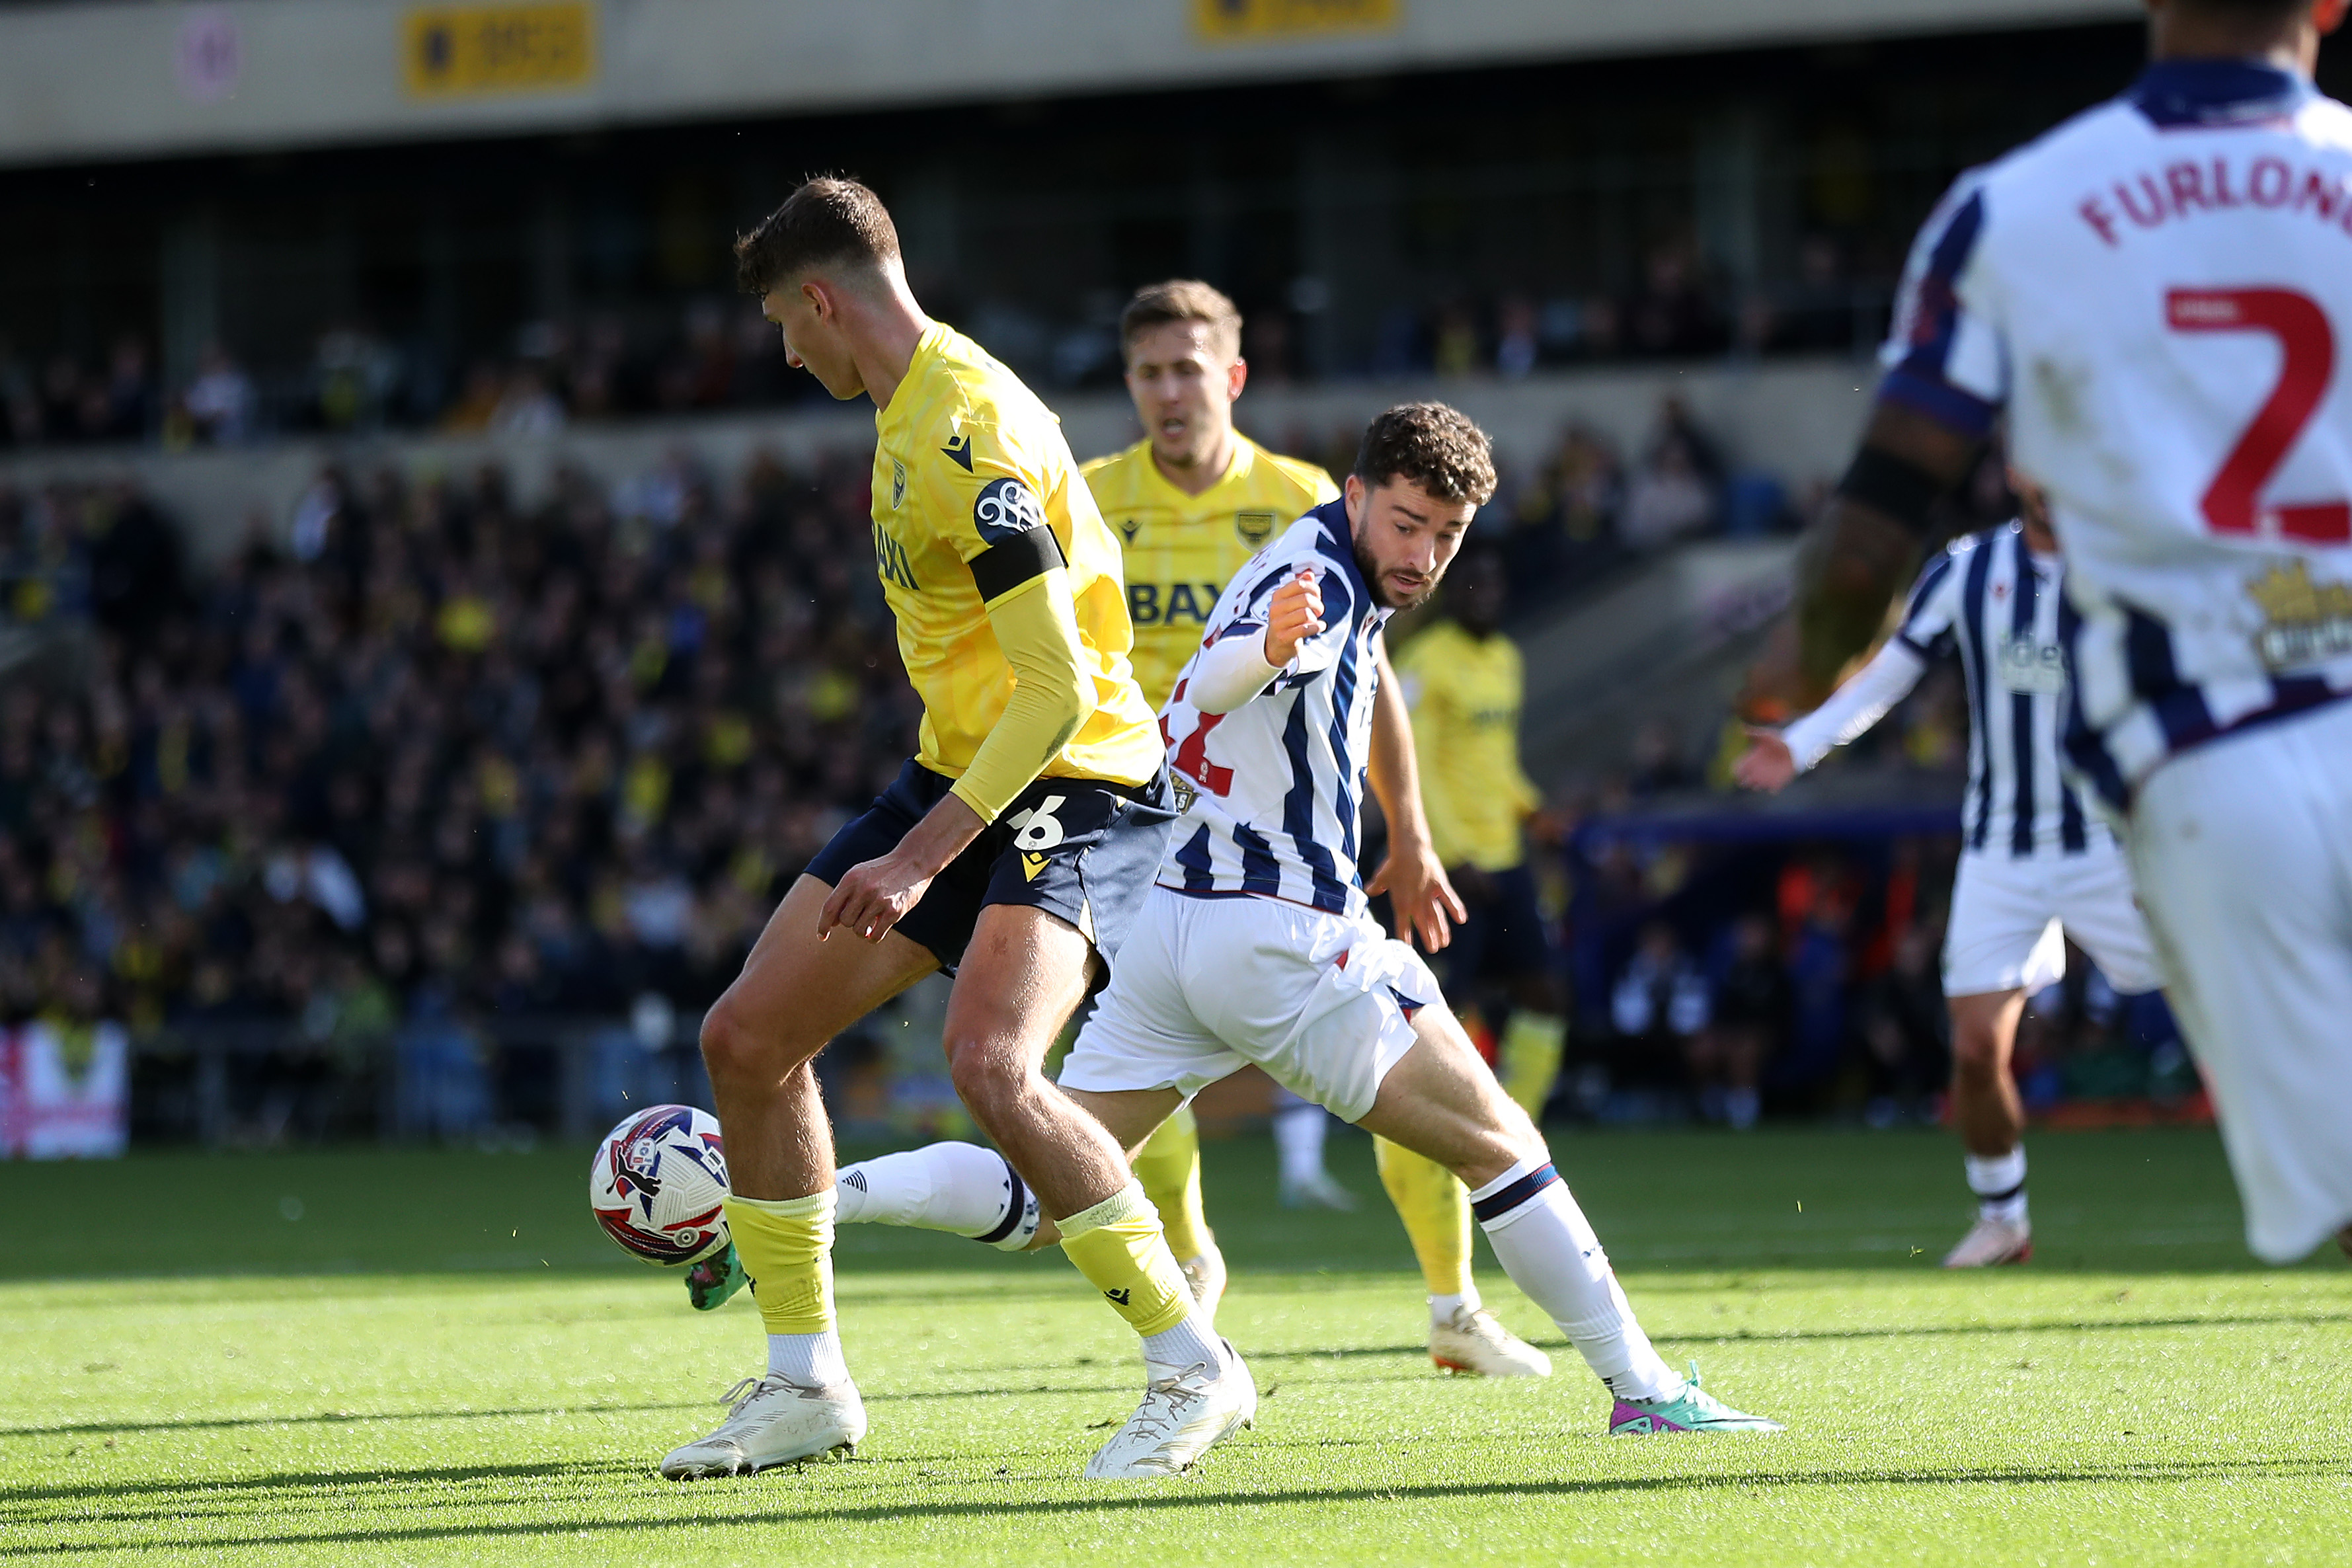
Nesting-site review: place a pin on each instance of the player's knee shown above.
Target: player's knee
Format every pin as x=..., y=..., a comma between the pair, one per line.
x=733, y=1050
x=981, y=1074
x=1977, y=1051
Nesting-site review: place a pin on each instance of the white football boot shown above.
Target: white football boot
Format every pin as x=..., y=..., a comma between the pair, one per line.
x=1992, y=1241
x=1204, y=1276
x=1185, y=1411
x=1476, y=1342
x=774, y=1421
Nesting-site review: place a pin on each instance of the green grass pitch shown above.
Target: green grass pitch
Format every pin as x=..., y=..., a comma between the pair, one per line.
x=314, y=1358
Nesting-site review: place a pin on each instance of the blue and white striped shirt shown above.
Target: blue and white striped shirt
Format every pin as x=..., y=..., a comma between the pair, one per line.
x=1270, y=792
x=1998, y=606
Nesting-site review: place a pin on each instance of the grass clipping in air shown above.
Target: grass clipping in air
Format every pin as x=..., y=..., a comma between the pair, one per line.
x=356, y=1376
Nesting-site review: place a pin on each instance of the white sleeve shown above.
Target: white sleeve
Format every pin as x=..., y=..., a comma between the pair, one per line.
x=1229, y=672
x=1854, y=707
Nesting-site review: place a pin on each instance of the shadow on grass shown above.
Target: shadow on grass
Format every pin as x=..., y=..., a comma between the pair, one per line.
x=1412, y=1349
x=2157, y=1471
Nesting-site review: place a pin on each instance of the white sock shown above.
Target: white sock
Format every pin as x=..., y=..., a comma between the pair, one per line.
x=1998, y=1182
x=958, y=1187
x=1298, y=1132
x=813, y=1360
x=1189, y=1341
x=1442, y=1308
x=1548, y=1248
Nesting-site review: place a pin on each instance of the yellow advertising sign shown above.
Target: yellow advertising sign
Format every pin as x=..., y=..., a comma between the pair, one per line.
x=1246, y=21
x=457, y=51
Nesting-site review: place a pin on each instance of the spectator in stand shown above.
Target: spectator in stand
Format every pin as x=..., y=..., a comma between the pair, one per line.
x=1675, y=490
x=1658, y=1007
x=1750, y=1013
x=220, y=401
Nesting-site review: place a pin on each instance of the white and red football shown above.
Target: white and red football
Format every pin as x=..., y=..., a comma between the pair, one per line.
x=659, y=1184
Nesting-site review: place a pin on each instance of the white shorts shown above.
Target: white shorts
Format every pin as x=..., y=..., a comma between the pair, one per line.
x=2010, y=920
x=2243, y=849
x=1205, y=986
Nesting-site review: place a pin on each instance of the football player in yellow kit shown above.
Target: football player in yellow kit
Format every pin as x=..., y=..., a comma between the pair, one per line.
x=1191, y=504
x=1465, y=682
x=1011, y=851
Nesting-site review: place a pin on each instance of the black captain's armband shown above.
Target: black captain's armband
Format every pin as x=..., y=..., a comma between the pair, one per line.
x=1005, y=565
x=1895, y=486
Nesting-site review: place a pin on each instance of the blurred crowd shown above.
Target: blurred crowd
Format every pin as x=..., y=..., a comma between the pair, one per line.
x=1806, y=980
x=444, y=757
x=716, y=352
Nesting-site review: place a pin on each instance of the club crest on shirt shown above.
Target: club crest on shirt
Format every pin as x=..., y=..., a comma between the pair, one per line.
x=1006, y=508
x=897, y=484
x=1185, y=791
x=1254, y=527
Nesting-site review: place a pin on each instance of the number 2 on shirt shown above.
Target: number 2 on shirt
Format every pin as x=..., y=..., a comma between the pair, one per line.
x=2233, y=503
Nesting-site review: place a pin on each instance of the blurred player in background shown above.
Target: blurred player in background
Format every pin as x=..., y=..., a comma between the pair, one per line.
x=2035, y=867
x=1011, y=851
x=2158, y=293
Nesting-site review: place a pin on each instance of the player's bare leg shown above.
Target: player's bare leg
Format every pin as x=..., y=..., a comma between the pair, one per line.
x=1023, y=974
x=1991, y=1121
x=796, y=992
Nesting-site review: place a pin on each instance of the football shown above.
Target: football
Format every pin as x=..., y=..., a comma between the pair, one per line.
x=660, y=1183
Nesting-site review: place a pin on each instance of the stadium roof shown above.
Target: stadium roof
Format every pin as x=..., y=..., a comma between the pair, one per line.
x=124, y=78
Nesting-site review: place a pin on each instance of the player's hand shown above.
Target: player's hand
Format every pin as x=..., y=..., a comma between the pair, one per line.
x=1425, y=901
x=1768, y=763
x=1296, y=615
x=873, y=896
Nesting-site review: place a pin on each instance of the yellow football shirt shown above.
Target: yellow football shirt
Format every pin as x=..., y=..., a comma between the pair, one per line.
x=1465, y=693
x=966, y=458
x=1182, y=549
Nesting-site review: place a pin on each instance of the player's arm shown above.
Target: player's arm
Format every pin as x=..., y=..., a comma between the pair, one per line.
x=1947, y=377
x=1776, y=756
x=1424, y=900
x=1237, y=666
x=1856, y=559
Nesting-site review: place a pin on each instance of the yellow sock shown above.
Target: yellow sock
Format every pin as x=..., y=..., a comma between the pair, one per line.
x=1531, y=1049
x=1168, y=1166
x=1118, y=1247
x=786, y=1246
x=1436, y=1215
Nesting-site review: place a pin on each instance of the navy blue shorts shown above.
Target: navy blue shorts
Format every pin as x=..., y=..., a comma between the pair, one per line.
x=1504, y=936
x=1080, y=849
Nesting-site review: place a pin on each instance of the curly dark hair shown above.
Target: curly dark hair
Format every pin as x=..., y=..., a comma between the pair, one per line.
x=1436, y=447
x=831, y=218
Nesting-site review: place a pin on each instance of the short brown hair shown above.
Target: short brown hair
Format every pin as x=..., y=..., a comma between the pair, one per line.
x=1181, y=300
x=1434, y=446
x=830, y=219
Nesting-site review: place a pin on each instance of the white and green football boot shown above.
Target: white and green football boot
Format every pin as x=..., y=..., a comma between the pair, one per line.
x=1693, y=1410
